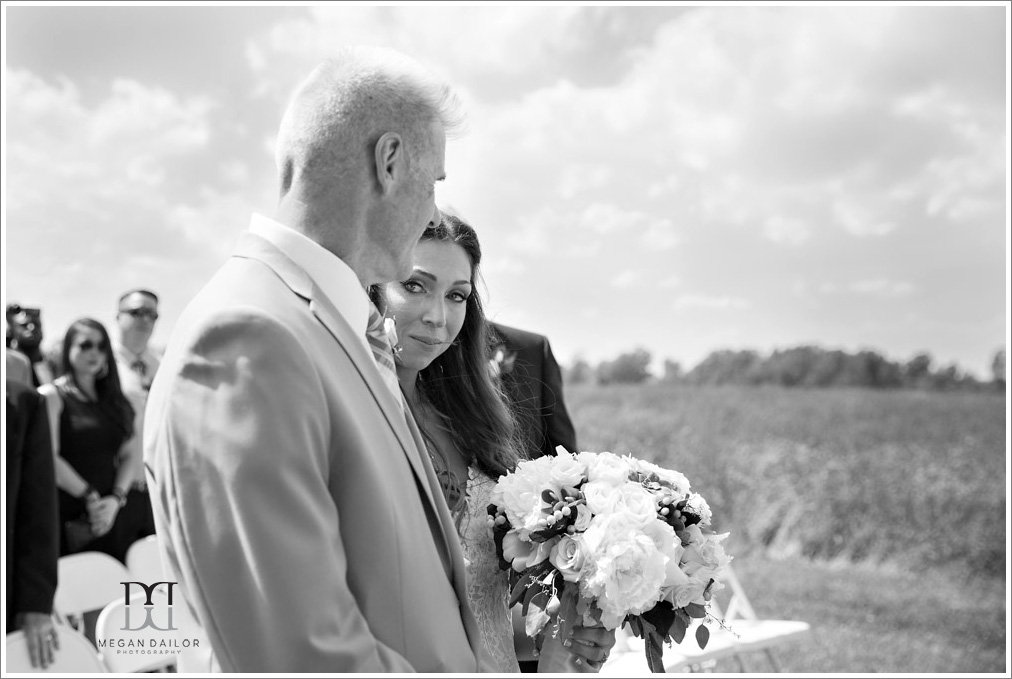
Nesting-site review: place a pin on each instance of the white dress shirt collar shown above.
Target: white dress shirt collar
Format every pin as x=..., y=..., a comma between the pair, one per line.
x=332, y=276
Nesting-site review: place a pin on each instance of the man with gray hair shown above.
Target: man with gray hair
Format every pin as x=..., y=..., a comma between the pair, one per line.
x=292, y=494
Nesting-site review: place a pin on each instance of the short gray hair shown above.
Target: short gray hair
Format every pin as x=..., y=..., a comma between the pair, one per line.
x=342, y=108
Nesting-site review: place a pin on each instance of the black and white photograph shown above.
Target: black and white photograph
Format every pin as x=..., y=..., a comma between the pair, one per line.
x=506, y=337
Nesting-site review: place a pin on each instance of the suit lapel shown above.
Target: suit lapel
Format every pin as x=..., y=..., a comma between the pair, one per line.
x=254, y=247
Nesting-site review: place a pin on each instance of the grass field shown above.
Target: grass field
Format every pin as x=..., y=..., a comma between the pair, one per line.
x=877, y=516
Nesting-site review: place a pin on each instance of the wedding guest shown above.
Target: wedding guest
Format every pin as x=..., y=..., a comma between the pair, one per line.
x=32, y=536
x=533, y=381
x=91, y=422
x=25, y=327
x=442, y=367
x=296, y=508
x=137, y=364
x=19, y=368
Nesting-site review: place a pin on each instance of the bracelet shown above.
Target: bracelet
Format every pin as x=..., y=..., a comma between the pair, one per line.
x=88, y=491
x=121, y=496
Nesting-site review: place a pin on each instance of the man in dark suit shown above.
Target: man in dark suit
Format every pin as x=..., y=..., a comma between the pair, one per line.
x=533, y=381
x=32, y=535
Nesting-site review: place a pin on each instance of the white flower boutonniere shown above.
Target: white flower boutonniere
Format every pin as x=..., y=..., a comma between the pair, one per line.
x=501, y=362
x=390, y=327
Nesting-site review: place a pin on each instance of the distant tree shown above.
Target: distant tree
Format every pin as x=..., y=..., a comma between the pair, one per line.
x=629, y=368
x=947, y=378
x=672, y=371
x=728, y=367
x=917, y=371
x=579, y=372
x=998, y=373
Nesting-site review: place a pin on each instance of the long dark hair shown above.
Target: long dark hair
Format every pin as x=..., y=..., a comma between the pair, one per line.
x=458, y=383
x=107, y=387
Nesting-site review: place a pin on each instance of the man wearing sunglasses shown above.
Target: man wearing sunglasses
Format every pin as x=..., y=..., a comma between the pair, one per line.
x=137, y=363
x=24, y=328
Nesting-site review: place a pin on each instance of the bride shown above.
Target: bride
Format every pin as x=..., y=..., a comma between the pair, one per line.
x=443, y=369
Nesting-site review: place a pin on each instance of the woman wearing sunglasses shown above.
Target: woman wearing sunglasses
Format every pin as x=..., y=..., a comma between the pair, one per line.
x=91, y=421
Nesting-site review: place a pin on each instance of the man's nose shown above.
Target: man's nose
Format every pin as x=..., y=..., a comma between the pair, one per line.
x=437, y=217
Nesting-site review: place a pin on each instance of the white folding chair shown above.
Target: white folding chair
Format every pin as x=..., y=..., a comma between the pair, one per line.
x=128, y=643
x=747, y=633
x=75, y=655
x=753, y=633
x=87, y=581
x=144, y=561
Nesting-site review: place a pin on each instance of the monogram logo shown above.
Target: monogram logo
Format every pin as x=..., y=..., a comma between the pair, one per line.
x=149, y=607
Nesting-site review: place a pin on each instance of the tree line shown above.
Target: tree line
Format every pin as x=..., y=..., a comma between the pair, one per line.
x=802, y=366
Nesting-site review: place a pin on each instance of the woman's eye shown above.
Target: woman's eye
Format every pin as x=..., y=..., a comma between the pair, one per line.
x=458, y=297
x=412, y=286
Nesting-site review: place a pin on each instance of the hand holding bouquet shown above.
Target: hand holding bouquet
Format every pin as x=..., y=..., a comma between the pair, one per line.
x=607, y=539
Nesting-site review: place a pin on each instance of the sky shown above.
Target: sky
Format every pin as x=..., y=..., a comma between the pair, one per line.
x=676, y=178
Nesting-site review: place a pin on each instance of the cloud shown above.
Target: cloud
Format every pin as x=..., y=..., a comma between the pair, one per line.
x=882, y=287
x=695, y=301
x=786, y=230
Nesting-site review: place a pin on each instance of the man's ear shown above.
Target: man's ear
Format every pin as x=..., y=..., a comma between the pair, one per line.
x=390, y=160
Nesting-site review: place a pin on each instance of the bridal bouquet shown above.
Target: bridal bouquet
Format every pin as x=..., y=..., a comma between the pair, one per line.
x=607, y=539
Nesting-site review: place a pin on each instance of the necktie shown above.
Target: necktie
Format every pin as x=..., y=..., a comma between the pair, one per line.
x=379, y=342
x=141, y=368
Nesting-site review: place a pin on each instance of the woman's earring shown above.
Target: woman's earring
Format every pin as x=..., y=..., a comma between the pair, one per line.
x=104, y=371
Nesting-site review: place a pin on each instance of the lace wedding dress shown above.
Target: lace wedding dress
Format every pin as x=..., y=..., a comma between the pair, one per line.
x=487, y=585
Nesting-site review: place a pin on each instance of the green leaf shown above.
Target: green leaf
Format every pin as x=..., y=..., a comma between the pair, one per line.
x=695, y=610
x=678, y=629
x=519, y=589
x=702, y=636
x=548, y=495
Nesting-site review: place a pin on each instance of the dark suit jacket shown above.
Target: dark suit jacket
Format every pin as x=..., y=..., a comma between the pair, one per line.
x=33, y=544
x=533, y=381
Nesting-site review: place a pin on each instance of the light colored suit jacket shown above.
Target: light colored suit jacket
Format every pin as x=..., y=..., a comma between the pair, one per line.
x=295, y=503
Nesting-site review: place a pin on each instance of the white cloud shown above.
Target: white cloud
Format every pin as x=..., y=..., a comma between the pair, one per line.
x=882, y=287
x=627, y=279
x=860, y=221
x=786, y=230
x=695, y=301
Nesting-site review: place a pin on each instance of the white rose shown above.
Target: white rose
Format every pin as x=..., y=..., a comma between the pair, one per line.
x=690, y=592
x=583, y=517
x=567, y=471
x=568, y=557
x=636, y=499
x=609, y=468
x=602, y=497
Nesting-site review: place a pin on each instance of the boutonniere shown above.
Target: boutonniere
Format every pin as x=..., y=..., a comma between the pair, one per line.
x=390, y=328
x=502, y=361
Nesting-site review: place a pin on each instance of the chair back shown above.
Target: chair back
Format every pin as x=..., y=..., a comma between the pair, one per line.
x=144, y=561
x=75, y=655
x=138, y=637
x=736, y=606
x=87, y=582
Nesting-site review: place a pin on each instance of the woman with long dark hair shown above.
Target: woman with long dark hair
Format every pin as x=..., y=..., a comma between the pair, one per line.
x=91, y=421
x=442, y=361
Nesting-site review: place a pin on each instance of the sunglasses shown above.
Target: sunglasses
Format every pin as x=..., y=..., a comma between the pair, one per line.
x=149, y=314
x=88, y=345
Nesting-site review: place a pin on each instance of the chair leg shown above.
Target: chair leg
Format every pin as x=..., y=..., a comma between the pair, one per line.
x=773, y=661
x=741, y=663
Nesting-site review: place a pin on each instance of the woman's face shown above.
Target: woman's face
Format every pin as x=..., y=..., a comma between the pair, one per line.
x=431, y=304
x=88, y=352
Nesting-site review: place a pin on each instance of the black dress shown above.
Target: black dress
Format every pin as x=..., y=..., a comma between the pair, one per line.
x=90, y=441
